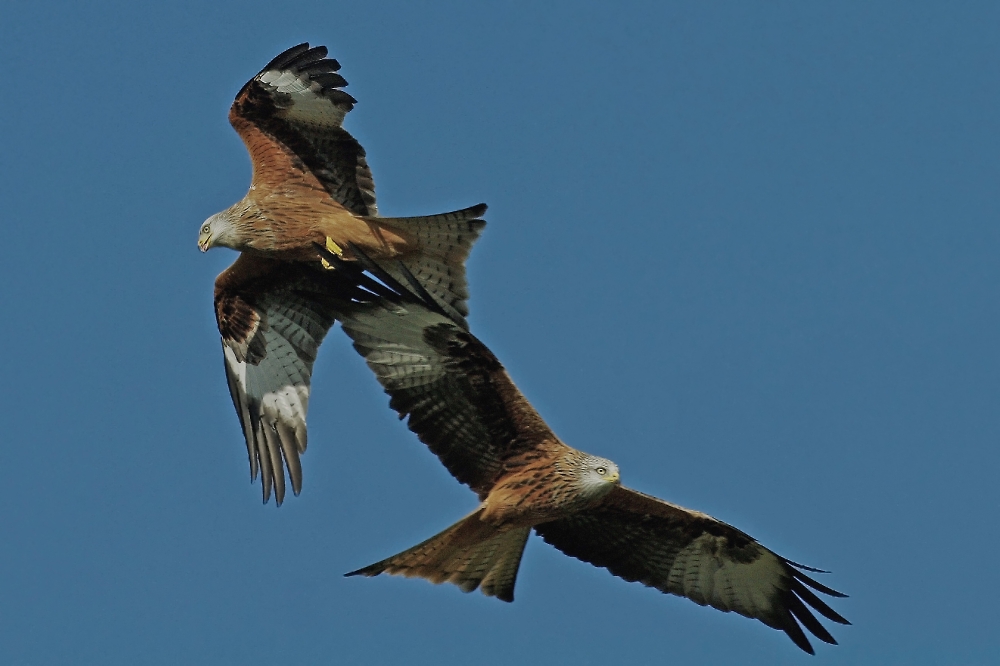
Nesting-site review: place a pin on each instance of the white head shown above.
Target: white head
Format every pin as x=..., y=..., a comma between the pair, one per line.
x=217, y=230
x=597, y=476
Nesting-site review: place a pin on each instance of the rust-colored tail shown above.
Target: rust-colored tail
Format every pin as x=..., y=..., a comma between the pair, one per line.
x=469, y=554
x=444, y=242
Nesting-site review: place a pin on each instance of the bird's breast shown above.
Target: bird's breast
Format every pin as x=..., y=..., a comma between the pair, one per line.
x=530, y=496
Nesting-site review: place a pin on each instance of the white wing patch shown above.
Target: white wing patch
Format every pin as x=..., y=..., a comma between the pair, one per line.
x=399, y=353
x=272, y=398
x=284, y=81
x=700, y=574
x=281, y=385
x=308, y=104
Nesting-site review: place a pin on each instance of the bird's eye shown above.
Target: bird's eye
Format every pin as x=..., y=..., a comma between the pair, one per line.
x=602, y=471
x=205, y=229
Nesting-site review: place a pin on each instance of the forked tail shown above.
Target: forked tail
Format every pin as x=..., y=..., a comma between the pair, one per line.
x=469, y=554
x=445, y=241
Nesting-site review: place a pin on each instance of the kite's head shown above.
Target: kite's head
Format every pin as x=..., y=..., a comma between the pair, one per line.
x=599, y=476
x=205, y=235
x=215, y=231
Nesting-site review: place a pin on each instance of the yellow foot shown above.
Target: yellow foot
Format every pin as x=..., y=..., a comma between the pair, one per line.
x=332, y=247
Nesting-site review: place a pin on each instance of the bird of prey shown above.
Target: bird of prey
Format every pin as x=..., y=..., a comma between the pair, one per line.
x=462, y=404
x=310, y=183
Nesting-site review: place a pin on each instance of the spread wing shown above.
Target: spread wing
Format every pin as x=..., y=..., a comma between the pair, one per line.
x=290, y=115
x=678, y=551
x=462, y=404
x=459, y=399
x=272, y=317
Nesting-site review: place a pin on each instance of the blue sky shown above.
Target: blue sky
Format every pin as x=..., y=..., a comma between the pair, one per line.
x=747, y=252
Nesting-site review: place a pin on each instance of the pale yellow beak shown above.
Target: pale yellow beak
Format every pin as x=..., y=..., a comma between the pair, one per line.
x=204, y=243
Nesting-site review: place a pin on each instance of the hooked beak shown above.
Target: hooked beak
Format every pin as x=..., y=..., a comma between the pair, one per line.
x=204, y=243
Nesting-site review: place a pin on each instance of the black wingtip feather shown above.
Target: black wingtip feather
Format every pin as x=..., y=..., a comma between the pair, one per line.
x=794, y=631
x=308, y=57
x=428, y=300
x=370, y=570
x=421, y=295
x=821, y=607
x=375, y=269
x=329, y=80
x=803, y=566
x=324, y=66
x=819, y=587
x=288, y=55
x=808, y=620
x=362, y=280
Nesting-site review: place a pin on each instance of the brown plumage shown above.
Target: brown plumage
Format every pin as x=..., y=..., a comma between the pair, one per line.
x=460, y=401
x=310, y=183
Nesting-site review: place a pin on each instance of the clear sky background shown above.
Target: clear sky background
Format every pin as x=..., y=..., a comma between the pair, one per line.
x=748, y=253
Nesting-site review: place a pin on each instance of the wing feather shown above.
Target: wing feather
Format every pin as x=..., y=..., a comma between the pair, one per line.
x=295, y=106
x=273, y=317
x=457, y=396
x=643, y=539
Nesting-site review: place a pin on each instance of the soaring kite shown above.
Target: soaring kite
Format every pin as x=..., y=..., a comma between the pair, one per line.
x=310, y=184
x=463, y=405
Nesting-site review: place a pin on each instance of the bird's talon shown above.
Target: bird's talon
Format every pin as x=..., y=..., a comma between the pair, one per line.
x=332, y=247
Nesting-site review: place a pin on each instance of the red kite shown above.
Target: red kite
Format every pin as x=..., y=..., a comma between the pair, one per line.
x=311, y=183
x=462, y=404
